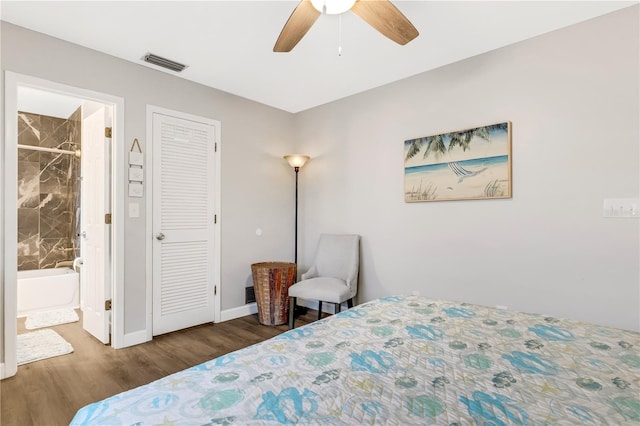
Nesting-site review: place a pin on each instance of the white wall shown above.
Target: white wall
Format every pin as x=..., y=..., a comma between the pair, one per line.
x=573, y=98
x=257, y=184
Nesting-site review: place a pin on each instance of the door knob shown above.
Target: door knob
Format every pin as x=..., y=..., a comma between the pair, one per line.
x=83, y=234
x=160, y=236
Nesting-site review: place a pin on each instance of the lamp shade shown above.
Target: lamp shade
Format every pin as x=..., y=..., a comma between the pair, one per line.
x=296, y=160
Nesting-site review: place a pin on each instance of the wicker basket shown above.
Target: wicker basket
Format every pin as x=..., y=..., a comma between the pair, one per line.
x=271, y=282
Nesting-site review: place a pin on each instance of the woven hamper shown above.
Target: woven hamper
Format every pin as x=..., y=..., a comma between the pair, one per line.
x=271, y=282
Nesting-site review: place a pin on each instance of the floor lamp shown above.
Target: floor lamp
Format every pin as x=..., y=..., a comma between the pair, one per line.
x=296, y=161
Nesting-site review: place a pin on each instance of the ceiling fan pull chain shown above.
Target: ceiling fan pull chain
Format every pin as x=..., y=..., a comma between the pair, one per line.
x=340, y=35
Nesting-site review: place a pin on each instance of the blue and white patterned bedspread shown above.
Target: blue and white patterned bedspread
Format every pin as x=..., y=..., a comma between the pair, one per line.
x=402, y=361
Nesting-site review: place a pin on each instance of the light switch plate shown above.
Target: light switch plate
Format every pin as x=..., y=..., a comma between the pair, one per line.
x=621, y=208
x=134, y=210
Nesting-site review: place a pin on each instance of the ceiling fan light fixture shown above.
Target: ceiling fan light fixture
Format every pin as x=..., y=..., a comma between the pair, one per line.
x=333, y=7
x=380, y=14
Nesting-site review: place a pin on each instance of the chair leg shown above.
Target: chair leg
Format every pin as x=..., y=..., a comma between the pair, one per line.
x=319, y=310
x=292, y=313
x=338, y=307
x=350, y=303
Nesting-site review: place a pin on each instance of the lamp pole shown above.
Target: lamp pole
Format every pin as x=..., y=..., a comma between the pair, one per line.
x=296, y=161
x=295, y=244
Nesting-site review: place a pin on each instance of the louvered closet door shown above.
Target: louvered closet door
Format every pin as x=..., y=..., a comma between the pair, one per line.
x=183, y=223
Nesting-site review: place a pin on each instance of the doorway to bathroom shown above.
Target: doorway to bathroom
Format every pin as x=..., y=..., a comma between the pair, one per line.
x=61, y=149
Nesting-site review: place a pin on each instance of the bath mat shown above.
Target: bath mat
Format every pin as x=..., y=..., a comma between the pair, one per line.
x=41, y=344
x=50, y=318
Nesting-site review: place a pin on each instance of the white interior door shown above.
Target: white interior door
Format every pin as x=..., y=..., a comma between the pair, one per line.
x=183, y=223
x=95, y=240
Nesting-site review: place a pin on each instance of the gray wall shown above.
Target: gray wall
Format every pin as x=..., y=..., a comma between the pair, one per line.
x=572, y=96
x=257, y=184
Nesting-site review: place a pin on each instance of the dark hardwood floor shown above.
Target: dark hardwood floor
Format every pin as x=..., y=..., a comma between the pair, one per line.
x=49, y=392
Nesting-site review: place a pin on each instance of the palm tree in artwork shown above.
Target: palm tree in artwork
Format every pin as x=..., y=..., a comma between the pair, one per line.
x=435, y=144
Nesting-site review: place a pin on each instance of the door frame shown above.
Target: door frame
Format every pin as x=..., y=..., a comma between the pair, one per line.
x=8, y=157
x=152, y=109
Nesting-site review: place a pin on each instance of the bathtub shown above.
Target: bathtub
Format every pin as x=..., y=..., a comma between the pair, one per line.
x=47, y=289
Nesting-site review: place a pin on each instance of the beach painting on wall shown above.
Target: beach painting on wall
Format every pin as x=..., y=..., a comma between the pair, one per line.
x=464, y=165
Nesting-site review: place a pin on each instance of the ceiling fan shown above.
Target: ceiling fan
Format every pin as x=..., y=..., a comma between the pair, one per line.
x=380, y=14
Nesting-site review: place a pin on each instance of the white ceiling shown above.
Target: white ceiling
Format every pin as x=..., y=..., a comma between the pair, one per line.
x=47, y=103
x=228, y=44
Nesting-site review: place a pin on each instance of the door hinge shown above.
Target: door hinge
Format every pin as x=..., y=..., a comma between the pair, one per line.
x=107, y=132
x=215, y=147
x=215, y=290
x=215, y=219
x=107, y=305
x=107, y=218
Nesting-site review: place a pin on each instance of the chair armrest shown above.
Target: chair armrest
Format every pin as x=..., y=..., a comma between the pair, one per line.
x=311, y=273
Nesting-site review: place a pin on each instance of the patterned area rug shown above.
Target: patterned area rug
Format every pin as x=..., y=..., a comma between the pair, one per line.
x=50, y=318
x=41, y=344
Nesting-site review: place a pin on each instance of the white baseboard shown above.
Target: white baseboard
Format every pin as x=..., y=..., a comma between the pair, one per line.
x=239, y=312
x=252, y=308
x=135, y=338
x=5, y=373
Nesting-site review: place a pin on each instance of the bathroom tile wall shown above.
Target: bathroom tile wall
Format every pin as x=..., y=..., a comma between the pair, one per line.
x=48, y=191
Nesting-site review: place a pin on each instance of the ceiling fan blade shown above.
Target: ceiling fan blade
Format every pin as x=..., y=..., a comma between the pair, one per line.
x=387, y=19
x=302, y=18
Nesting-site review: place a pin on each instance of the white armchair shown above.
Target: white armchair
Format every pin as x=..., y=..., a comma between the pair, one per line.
x=333, y=277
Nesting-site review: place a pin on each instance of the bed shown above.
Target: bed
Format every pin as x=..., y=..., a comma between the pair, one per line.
x=403, y=361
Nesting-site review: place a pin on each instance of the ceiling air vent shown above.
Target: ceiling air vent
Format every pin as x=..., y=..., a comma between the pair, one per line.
x=163, y=62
